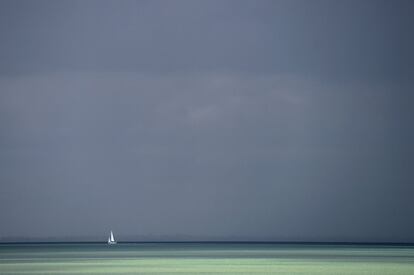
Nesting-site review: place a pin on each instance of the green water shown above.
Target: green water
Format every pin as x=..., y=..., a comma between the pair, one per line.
x=208, y=258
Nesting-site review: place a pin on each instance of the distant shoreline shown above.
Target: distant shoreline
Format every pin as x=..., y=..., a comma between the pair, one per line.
x=217, y=242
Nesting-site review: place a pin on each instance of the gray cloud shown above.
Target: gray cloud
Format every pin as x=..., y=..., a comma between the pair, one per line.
x=281, y=120
x=365, y=39
x=205, y=154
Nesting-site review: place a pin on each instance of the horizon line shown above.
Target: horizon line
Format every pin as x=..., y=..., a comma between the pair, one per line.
x=218, y=242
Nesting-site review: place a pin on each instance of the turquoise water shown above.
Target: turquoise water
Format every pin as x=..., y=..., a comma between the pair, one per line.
x=206, y=258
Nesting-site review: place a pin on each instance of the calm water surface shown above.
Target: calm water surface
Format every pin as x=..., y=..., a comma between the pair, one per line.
x=210, y=258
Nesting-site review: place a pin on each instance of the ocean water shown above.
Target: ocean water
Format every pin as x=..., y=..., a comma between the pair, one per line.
x=205, y=258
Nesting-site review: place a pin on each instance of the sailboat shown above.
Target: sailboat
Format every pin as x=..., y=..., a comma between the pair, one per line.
x=111, y=239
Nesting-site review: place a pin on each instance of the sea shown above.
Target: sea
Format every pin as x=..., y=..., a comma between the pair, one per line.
x=205, y=258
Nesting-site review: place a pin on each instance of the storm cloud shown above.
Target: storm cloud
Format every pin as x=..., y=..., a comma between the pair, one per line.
x=255, y=120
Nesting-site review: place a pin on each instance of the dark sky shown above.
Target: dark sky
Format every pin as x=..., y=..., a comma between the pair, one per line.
x=278, y=120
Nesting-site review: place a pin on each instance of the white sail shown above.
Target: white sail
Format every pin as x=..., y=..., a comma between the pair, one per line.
x=112, y=237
